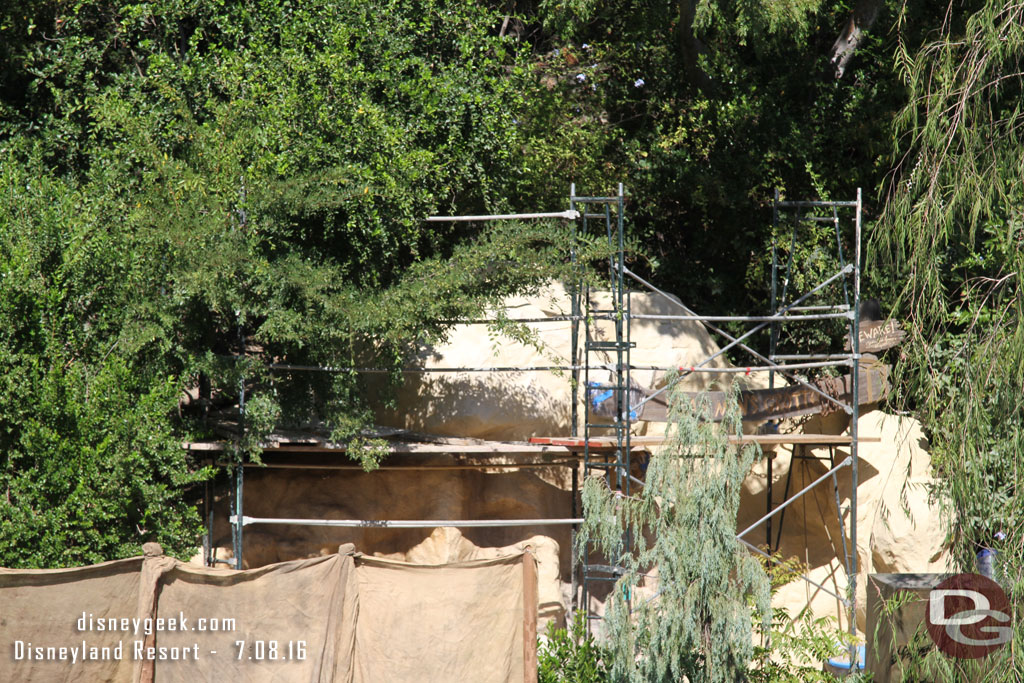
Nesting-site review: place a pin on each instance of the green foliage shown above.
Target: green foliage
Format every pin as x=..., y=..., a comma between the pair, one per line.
x=682, y=522
x=794, y=647
x=192, y=191
x=798, y=646
x=703, y=117
x=571, y=655
x=952, y=204
x=952, y=238
x=952, y=232
x=89, y=463
x=919, y=659
x=807, y=254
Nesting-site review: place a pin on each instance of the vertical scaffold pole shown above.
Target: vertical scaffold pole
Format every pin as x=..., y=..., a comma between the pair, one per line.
x=774, y=329
x=585, y=313
x=208, y=520
x=239, y=486
x=854, y=419
x=574, y=294
x=625, y=343
x=623, y=338
x=233, y=512
x=574, y=566
x=614, y=468
x=773, y=337
x=240, y=461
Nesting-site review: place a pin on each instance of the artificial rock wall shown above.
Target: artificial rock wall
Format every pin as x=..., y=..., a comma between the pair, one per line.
x=518, y=405
x=898, y=530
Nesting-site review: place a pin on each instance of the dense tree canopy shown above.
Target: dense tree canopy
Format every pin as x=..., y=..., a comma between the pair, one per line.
x=194, y=190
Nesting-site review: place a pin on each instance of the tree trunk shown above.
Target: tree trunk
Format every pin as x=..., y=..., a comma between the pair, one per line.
x=691, y=46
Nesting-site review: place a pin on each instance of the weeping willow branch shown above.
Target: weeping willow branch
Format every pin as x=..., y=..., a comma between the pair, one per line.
x=695, y=619
x=953, y=233
x=960, y=168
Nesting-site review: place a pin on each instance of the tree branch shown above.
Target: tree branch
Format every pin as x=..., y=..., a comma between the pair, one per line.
x=864, y=14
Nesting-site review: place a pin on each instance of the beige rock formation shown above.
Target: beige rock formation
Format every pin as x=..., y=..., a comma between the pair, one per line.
x=495, y=406
x=400, y=494
x=517, y=405
x=898, y=528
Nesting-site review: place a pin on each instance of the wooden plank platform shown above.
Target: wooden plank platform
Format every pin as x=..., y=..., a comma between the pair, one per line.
x=763, y=439
x=541, y=445
x=495, y=448
x=772, y=404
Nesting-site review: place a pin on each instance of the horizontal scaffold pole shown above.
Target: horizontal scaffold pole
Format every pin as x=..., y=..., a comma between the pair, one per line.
x=406, y=523
x=407, y=468
x=745, y=370
x=813, y=356
x=552, y=368
x=511, y=368
x=806, y=204
x=595, y=200
x=821, y=307
x=492, y=321
x=744, y=318
x=568, y=215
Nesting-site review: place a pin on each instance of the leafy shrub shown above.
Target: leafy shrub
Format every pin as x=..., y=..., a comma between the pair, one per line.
x=572, y=655
x=794, y=647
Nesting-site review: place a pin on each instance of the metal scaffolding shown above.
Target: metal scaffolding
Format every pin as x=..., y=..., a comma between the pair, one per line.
x=785, y=309
x=238, y=464
x=614, y=465
x=803, y=213
x=603, y=345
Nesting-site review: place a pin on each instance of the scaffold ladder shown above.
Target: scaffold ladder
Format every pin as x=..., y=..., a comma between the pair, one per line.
x=609, y=346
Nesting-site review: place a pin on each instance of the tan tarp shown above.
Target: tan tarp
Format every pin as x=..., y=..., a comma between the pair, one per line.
x=304, y=608
x=41, y=608
x=339, y=618
x=455, y=622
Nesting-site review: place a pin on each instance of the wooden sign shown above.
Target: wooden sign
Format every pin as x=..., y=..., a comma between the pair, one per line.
x=878, y=335
x=792, y=401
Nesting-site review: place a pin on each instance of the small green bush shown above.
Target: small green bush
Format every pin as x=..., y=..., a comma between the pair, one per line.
x=571, y=655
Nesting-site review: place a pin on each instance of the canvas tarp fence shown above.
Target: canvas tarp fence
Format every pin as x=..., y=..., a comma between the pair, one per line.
x=342, y=618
